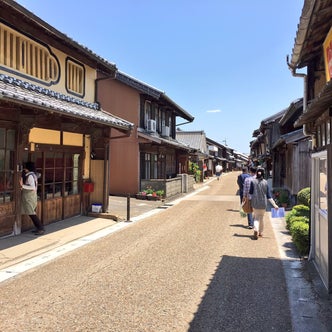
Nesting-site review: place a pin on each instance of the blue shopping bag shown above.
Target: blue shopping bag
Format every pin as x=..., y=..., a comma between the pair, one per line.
x=278, y=213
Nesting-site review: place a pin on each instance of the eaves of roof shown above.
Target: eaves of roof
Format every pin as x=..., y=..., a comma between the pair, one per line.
x=24, y=93
x=138, y=85
x=315, y=22
x=295, y=106
x=273, y=118
x=259, y=139
x=256, y=132
x=317, y=106
x=291, y=137
x=153, y=92
x=163, y=141
x=178, y=110
x=210, y=141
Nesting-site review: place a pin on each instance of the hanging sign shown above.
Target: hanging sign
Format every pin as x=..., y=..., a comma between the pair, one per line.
x=327, y=46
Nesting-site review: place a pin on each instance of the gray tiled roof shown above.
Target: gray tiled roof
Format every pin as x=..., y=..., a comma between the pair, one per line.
x=18, y=91
x=194, y=139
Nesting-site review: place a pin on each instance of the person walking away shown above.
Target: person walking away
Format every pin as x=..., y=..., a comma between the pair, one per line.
x=246, y=195
x=29, y=184
x=218, y=171
x=240, y=182
x=260, y=194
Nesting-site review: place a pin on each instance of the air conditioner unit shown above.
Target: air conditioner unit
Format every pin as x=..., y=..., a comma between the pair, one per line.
x=165, y=131
x=152, y=126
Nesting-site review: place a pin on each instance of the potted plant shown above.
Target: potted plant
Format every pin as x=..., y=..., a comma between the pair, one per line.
x=141, y=195
x=149, y=193
x=160, y=193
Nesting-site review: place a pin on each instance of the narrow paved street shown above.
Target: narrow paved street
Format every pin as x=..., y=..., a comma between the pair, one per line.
x=193, y=267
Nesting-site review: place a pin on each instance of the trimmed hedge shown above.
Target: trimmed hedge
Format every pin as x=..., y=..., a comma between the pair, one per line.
x=297, y=222
x=300, y=235
x=294, y=219
x=297, y=211
x=303, y=196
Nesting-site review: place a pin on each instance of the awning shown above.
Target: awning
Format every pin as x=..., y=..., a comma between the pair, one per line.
x=220, y=158
x=291, y=137
x=24, y=93
x=163, y=141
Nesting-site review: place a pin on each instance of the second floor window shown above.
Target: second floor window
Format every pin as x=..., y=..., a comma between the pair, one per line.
x=75, y=75
x=156, y=119
x=147, y=113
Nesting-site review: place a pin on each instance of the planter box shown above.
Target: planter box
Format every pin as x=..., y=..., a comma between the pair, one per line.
x=153, y=198
x=138, y=196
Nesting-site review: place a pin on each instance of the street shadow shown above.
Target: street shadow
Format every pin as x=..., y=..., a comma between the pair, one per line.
x=244, y=294
x=239, y=225
x=291, y=250
x=27, y=236
x=251, y=237
x=233, y=210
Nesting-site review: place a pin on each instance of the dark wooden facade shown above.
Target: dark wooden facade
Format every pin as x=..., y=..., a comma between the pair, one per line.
x=312, y=51
x=283, y=150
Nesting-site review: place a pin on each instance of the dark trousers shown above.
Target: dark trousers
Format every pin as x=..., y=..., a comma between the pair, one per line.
x=36, y=221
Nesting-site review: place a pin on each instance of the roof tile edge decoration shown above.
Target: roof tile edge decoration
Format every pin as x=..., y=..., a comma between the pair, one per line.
x=17, y=90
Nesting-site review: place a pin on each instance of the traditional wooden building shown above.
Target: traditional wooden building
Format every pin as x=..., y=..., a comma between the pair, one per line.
x=152, y=156
x=196, y=140
x=283, y=150
x=265, y=136
x=312, y=54
x=291, y=166
x=50, y=114
x=217, y=153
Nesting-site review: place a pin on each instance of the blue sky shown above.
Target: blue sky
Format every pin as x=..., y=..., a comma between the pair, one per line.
x=224, y=62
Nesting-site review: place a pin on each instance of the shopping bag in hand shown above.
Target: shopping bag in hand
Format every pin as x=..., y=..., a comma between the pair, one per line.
x=278, y=213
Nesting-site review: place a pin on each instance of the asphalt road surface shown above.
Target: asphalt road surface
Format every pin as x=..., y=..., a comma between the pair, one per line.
x=192, y=267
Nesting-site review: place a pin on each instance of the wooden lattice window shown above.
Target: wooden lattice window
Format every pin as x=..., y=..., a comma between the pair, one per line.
x=75, y=77
x=26, y=56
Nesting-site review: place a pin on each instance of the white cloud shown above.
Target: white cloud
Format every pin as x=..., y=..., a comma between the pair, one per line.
x=213, y=111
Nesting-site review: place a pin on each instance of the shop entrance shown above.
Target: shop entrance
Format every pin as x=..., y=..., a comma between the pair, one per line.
x=60, y=182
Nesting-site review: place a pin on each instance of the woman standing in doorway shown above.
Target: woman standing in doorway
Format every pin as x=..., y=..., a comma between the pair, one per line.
x=29, y=183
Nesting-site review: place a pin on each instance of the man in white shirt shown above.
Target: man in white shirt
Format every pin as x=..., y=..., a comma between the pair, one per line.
x=218, y=171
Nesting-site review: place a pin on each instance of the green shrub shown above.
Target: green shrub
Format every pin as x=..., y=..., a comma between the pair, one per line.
x=301, y=210
x=194, y=169
x=303, y=196
x=297, y=211
x=300, y=234
x=294, y=219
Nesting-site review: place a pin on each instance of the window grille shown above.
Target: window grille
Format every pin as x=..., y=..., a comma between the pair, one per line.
x=75, y=77
x=26, y=56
